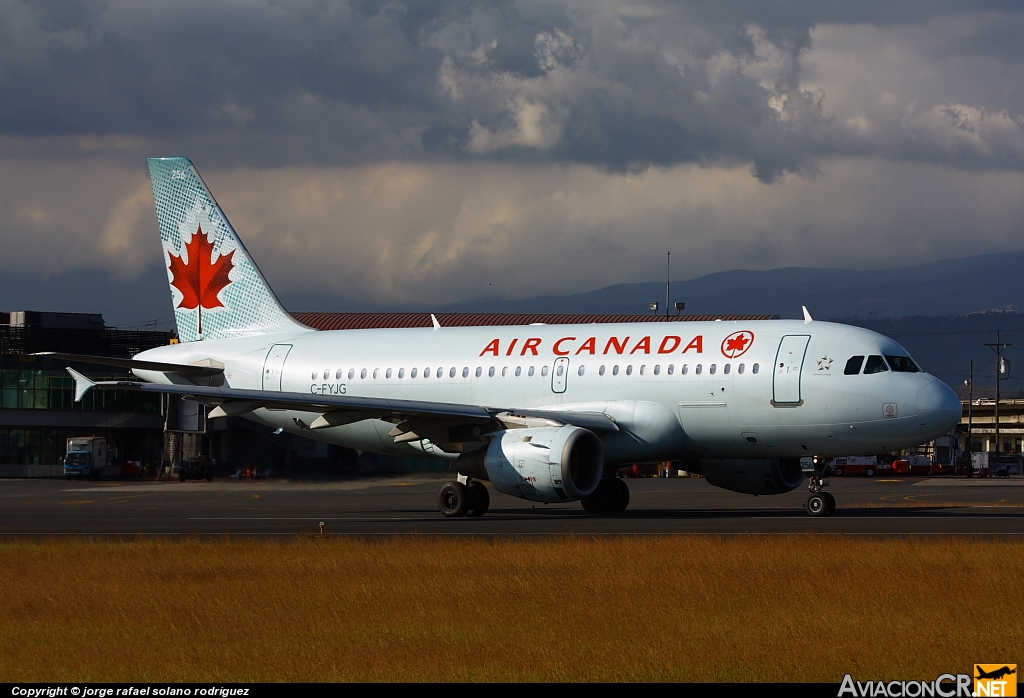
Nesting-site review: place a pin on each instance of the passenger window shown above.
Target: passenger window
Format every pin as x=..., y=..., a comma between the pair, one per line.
x=713, y=369
x=314, y=375
x=388, y=374
x=530, y=372
x=362, y=374
x=642, y=367
x=582, y=369
x=465, y=372
x=561, y=369
x=490, y=372
x=727, y=369
x=351, y=373
x=519, y=371
x=629, y=370
x=700, y=367
x=600, y=371
x=401, y=373
x=902, y=364
x=337, y=375
x=543, y=370
x=615, y=370
x=672, y=369
x=684, y=370
x=875, y=364
x=451, y=373
x=853, y=366
x=504, y=371
x=440, y=372
x=426, y=372
x=740, y=368
x=755, y=368
x=376, y=372
x=327, y=373
x=657, y=369
x=412, y=374
x=479, y=371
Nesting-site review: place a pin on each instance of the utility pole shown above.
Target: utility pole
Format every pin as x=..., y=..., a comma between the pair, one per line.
x=668, y=279
x=970, y=421
x=998, y=348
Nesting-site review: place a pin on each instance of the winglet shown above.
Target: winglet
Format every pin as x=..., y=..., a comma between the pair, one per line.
x=437, y=325
x=807, y=315
x=82, y=384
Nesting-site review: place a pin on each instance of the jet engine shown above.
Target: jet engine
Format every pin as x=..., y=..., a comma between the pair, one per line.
x=547, y=464
x=753, y=476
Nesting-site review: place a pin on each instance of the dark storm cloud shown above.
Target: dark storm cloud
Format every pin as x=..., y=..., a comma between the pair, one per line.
x=617, y=85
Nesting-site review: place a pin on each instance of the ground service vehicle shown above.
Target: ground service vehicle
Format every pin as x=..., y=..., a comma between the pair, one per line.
x=855, y=465
x=195, y=468
x=545, y=413
x=86, y=457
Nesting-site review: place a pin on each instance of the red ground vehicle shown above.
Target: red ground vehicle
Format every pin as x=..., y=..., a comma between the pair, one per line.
x=855, y=465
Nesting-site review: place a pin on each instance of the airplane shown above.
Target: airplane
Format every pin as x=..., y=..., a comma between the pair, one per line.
x=996, y=674
x=544, y=413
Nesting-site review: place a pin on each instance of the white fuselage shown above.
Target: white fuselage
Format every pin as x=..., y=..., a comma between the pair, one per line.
x=760, y=389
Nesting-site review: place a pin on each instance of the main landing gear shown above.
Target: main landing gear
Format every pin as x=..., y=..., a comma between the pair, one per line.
x=463, y=498
x=819, y=503
x=611, y=497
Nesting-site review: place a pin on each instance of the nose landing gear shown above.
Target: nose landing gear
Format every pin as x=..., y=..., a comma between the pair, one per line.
x=819, y=503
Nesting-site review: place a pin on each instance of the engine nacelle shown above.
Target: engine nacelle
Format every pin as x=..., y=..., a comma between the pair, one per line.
x=547, y=464
x=753, y=476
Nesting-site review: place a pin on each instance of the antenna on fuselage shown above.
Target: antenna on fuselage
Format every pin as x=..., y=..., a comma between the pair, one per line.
x=437, y=325
x=807, y=315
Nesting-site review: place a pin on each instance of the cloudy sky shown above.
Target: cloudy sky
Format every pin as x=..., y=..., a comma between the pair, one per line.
x=400, y=154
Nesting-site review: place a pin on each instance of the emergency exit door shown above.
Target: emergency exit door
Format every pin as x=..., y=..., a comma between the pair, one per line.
x=559, y=374
x=273, y=367
x=789, y=364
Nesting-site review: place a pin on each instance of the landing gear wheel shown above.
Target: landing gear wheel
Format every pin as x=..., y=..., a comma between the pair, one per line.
x=611, y=497
x=454, y=499
x=830, y=503
x=597, y=501
x=821, y=504
x=620, y=497
x=481, y=499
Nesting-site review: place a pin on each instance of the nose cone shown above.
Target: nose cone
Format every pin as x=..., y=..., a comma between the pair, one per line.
x=938, y=409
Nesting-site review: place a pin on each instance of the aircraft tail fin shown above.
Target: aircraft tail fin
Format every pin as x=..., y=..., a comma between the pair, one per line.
x=217, y=289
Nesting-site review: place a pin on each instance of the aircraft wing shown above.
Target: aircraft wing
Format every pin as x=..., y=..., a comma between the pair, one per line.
x=413, y=418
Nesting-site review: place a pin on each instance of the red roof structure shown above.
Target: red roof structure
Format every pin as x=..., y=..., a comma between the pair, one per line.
x=366, y=321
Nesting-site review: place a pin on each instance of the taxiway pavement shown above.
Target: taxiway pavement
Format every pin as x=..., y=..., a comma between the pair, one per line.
x=407, y=505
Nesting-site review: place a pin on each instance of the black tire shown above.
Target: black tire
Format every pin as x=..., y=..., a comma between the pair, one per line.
x=870, y=472
x=838, y=472
x=454, y=499
x=830, y=501
x=619, y=499
x=817, y=505
x=481, y=499
x=597, y=502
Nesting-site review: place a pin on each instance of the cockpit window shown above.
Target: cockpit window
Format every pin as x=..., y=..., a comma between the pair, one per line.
x=875, y=364
x=853, y=365
x=902, y=364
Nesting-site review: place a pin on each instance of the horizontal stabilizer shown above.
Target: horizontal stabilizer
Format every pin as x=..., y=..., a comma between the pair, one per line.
x=180, y=369
x=82, y=384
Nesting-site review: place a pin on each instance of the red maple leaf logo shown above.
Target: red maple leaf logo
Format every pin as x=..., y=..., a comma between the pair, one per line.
x=737, y=343
x=201, y=279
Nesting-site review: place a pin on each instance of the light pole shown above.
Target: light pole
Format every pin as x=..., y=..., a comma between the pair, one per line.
x=1001, y=368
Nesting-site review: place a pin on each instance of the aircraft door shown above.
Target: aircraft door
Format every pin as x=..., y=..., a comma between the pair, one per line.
x=273, y=367
x=559, y=374
x=789, y=363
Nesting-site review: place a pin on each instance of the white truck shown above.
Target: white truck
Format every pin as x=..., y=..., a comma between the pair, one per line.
x=86, y=457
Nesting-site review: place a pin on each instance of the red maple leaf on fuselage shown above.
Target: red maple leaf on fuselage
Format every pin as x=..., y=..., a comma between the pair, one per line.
x=736, y=343
x=200, y=280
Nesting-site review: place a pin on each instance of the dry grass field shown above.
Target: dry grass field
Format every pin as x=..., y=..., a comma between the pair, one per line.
x=786, y=608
